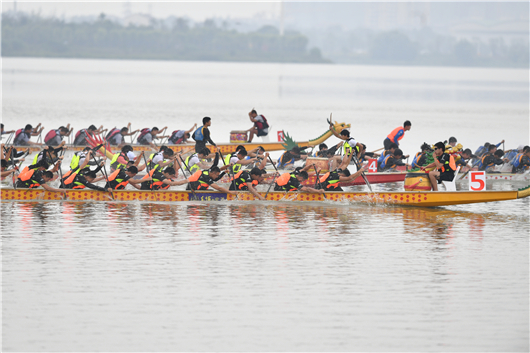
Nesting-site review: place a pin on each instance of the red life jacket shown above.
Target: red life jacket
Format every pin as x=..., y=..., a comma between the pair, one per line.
x=262, y=125
x=142, y=134
x=79, y=133
x=112, y=133
x=50, y=135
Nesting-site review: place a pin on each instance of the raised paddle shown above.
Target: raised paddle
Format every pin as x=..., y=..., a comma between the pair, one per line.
x=189, y=182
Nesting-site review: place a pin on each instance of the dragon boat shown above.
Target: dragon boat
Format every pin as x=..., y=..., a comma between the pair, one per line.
x=286, y=144
x=401, y=198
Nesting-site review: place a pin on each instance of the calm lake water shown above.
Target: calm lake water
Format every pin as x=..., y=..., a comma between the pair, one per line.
x=248, y=276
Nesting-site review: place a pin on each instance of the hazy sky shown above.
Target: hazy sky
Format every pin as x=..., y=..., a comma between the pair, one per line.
x=198, y=10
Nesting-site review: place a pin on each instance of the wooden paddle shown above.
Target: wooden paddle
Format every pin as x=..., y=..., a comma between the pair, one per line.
x=362, y=173
x=273, y=179
x=148, y=171
x=189, y=182
x=230, y=169
x=105, y=169
x=319, y=183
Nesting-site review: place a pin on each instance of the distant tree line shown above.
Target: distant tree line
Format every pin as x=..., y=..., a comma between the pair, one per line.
x=421, y=47
x=35, y=36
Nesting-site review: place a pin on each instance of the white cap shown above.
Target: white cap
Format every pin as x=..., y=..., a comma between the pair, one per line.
x=131, y=156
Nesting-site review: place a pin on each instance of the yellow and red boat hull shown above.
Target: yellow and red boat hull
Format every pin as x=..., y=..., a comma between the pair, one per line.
x=404, y=198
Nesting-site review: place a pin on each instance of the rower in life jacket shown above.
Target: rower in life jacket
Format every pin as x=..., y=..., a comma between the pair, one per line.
x=81, y=135
x=489, y=161
x=202, y=180
x=54, y=137
x=291, y=181
x=120, y=178
x=158, y=178
x=521, y=162
x=244, y=178
x=194, y=162
x=161, y=159
x=239, y=160
x=76, y=180
x=119, y=160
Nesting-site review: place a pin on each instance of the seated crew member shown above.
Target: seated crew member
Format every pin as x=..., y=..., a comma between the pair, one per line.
x=396, y=135
x=22, y=136
x=55, y=137
x=391, y=149
x=330, y=181
x=491, y=160
x=391, y=161
x=37, y=175
x=510, y=154
x=256, y=152
x=180, y=136
x=3, y=132
x=161, y=180
x=49, y=154
x=4, y=172
x=350, y=144
x=115, y=137
x=202, y=180
x=462, y=159
x=238, y=161
x=452, y=142
x=202, y=135
x=445, y=166
x=490, y=153
x=289, y=157
x=261, y=126
x=292, y=181
x=247, y=181
x=521, y=162
x=80, y=178
x=485, y=149
x=81, y=136
x=229, y=156
x=421, y=157
x=148, y=136
x=165, y=157
x=195, y=161
x=120, y=178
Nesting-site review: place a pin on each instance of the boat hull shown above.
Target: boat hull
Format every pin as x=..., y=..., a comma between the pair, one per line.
x=406, y=198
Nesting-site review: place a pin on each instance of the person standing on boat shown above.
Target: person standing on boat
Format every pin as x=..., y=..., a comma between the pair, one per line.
x=445, y=166
x=396, y=135
x=202, y=135
x=261, y=126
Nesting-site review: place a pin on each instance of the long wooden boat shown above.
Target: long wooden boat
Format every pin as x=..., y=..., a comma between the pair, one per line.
x=403, y=198
x=225, y=147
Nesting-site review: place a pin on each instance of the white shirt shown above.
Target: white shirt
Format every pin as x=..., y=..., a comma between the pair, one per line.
x=193, y=160
x=234, y=160
x=159, y=158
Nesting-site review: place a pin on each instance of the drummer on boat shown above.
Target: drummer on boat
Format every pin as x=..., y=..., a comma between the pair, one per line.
x=261, y=126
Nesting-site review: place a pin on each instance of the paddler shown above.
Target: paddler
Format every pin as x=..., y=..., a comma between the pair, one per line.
x=445, y=166
x=350, y=144
x=391, y=149
x=202, y=135
x=247, y=181
x=180, y=136
x=36, y=175
x=331, y=180
x=115, y=137
x=161, y=159
x=148, y=136
x=491, y=160
x=239, y=160
x=80, y=178
x=392, y=161
x=289, y=157
x=4, y=172
x=201, y=180
x=120, y=178
x=81, y=136
x=521, y=162
x=463, y=158
x=161, y=180
x=22, y=136
x=397, y=134
x=55, y=136
x=195, y=161
x=292, y=181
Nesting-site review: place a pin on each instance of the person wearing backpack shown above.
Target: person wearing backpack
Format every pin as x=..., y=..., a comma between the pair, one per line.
x=202, y=135
x=180, y=136
x=22, y=136
x=55, y=137
x=147, y=136
x=81, y=136
x=115, y=137
x=261, y=126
